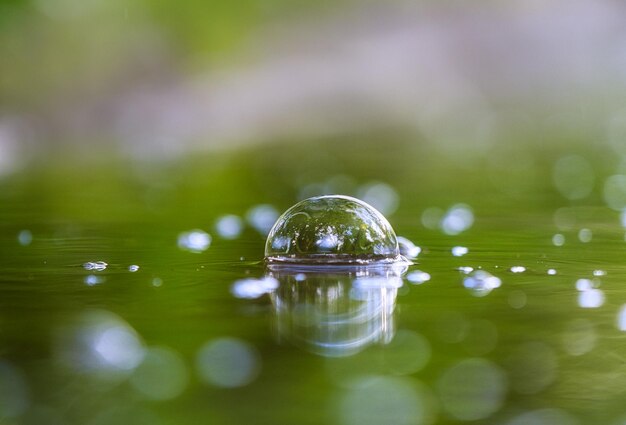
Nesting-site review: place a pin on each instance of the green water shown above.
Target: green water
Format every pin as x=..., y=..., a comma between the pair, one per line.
x=170, y=344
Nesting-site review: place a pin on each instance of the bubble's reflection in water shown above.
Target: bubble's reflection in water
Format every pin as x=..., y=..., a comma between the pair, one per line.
x=335, y=313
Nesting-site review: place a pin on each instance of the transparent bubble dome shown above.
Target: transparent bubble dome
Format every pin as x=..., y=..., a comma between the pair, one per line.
x=332, y=230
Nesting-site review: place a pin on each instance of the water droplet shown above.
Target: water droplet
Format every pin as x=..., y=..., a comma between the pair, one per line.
x=229, y=226
x=418, y=277
x=465, y=269
x=95, y=266
x=157, y=281
x=459, y=251
x=481, y=283
x=551, y=272
x=25, y=237
x=381, y=196
x=458, y=219
x=408, y=248
x=558, y=239
x=585, y=235
x=332, y=230
x=92, y=280
x=518, y=269
x=599, y=273
x=262, y=217
x=253, y=288
x=591, y=298
x=195, y=241
x=133, y=268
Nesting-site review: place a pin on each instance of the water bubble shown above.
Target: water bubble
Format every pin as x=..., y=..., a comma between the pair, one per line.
x=262, y=218
x=584, y=284
x=465, y=399
x=229, y=226
x=253, y=288
x=585, y=235
x=195, y=241
x=408, y=248
x=92, y=280
x=332, y=230
x=459, y=251
x=481, y=283
x=381, y=196
x=573, y=177
x=591, y=298
x=162, y=375
x=25, y=237
x=518, y=269
x=418, y=277
x=228, y=363
x=621, y=318
x=133, y=268
x=97, y=266
x=558, y=239
x=157, y=281
x=457, y=219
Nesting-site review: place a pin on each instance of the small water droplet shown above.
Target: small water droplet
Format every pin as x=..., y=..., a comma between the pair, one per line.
x=418, y=277
x=133, y=268
x=518, y=269
x=408, y=248
x=157, y=281
x=481, y=283
x=558, y=240
x=195, y=241
x=459, y=251
x=551, y=272
x=585, y=235
x=25, y=237
x=95, y=265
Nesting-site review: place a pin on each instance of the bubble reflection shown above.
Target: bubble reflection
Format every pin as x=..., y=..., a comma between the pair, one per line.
x=335, y=314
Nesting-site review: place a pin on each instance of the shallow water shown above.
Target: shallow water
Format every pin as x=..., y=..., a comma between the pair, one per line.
x=170, y=343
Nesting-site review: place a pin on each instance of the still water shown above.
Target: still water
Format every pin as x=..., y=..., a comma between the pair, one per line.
x=136, y=292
